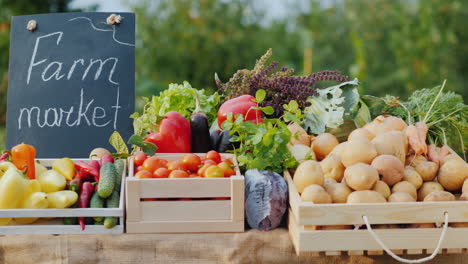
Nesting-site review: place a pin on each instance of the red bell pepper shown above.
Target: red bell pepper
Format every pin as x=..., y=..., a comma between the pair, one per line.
x=240, y=105
x=86, y=168
x=174, y=134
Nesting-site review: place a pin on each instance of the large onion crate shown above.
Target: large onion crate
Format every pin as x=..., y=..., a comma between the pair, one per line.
x=304, y=217
x=52, y=218
x=161, y=205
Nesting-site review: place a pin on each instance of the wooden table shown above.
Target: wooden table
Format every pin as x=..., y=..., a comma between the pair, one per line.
x=249, y=247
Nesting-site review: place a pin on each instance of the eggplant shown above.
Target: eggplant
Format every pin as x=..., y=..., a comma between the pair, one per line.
x=214, y=138
x=200, y=130
x=224, y=143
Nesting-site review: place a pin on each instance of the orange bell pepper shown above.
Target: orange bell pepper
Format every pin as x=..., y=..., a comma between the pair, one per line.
x=23, y=156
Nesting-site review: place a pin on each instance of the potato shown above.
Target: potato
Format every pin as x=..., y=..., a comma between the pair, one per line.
x=463, y=197
x=422, y=225
x=361, y=176
x=391, y=143
x=400, y=197
x=298, y=135
x=301, y=153
x=316, y=194
x=427, y=170
x=307, y=173
x=414, y=160
x=365, y=197
x=358, y=151
x=328, y=181
x=453, y=174
x=338, y=191
x=450, y=157
x=361, y=133
x=439, y=196
x=412, y=176
x=465, y=186
x=407, y=187
x=382, y=124
x=324, y=144
x=382, y=188
x=390, y=168
x=427, y=188
x=338, y=150
x=332, y=167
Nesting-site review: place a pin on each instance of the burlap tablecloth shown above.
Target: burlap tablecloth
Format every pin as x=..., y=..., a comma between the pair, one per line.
x=249, y=247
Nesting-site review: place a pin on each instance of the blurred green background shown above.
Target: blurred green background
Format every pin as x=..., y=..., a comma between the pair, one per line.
x=393, y=47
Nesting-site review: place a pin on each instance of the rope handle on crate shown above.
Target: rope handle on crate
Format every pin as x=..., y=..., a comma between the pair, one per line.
x=389, y=252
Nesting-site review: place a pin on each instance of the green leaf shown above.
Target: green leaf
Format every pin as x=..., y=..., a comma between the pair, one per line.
x=362, y=116
x=268, y=110
x=118, y=143
x=260, y=95
x=147, y=147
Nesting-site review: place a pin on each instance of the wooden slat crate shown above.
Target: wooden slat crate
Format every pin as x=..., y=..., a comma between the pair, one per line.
x=304, y=216
x=52, y=224
x=185, y=216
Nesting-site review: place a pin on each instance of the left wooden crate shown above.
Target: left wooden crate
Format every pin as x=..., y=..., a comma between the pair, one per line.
x=52, y=222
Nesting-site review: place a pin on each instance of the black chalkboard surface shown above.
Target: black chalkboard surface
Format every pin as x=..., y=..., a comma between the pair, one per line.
x=71, y=82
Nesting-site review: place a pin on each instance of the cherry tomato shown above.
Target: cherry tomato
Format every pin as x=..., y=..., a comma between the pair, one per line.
x=229, y=161
x=139, y=168
x=161, y=173
x=227, y=168
x=201, y=171
x=214, y=172
x=194, y=175
x=209, y=162
x=153, y=163
x=191, y=161
x=144, y=174
x=176, y=165
x=139, y=158
x=178, y=174
x=214, y=156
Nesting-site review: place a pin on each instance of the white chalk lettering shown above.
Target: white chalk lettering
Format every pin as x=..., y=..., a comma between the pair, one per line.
x=32, y=62
x=103, y=115
x=56, y=72
x=55, y=117
x=116, y=107
x=99, y=69
x=72, y=69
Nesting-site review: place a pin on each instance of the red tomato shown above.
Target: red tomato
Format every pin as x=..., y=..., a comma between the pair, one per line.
x=176, y=165
x=194, y=175
x=191, y=161
x=144, y=174
x=201, y=171
x=229, y=161
x=214, y=172
x=214, y=156
x=137, y=169
x=209, y=162
x=161, y=173
x=153, y=163
x=178, y=174
x=227, y=168
x=139, y=158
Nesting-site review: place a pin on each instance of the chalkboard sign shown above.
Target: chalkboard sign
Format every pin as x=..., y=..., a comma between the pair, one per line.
x=71, y=82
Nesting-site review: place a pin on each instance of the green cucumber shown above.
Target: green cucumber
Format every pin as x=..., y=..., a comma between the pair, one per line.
x=119, y=168
x=98, y=223
x=97, y=202
x=71, y=220
x=112, y=202
x=106, y=180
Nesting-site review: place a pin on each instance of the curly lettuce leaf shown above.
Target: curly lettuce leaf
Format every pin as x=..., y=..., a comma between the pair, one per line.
x=331, y=107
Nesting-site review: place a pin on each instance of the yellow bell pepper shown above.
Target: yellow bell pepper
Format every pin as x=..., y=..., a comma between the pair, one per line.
x=34, y=186
x=36, y=200
x=4, y=166
x=62, y=199
x=52, y=181
x=40, y=169
x=65, y=167
x=13, y=187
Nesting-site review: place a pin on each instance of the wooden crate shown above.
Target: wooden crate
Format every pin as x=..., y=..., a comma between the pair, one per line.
x=53, y=224
x=303, y=216
x=191, y=216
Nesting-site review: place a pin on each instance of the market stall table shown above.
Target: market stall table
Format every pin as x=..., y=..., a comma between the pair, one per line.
x=249, y=247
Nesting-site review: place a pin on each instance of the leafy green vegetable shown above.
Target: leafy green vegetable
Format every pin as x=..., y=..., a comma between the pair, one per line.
x=444, y=113
x=179, y=98
x=118, y=143
x=263, y=146
x=331, y=107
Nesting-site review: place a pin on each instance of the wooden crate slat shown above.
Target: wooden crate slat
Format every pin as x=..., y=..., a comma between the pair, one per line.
x=375, y=252
x=237, y=198
x=85, y=212
x=185, y=188
x=355, y=252
x=185, y=227
x=332, y=253
x=185, y=210
x=414, y=251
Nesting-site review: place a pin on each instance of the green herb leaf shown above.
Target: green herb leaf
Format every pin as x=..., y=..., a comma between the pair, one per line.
x=260, y=95
x=147, y=147
x=268, y=110
x=118, y=143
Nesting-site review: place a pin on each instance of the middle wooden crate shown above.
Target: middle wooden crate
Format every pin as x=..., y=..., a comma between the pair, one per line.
x=185, y=205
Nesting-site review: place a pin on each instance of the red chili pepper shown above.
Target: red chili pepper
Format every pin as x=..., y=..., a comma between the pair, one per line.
x=4, y=156
x=240, y=105
x=106, y=158
x=75, y=184
x=84, y=167
x=174, y=134
x=85, y=196
x=97, y=166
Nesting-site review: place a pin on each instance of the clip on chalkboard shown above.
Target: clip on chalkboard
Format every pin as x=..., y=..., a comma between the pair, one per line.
x=113, y=19
x=32, y=25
